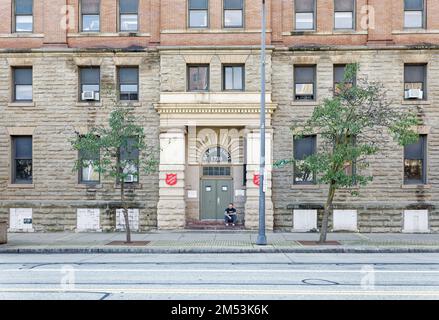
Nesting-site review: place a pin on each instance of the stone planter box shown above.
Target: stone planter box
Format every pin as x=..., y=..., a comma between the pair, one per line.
x=3, y=232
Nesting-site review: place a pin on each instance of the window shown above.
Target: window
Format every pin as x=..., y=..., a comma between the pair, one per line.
x=344, y=14
x=90, y=83
x=339, y=73
x=90, y=15
x=414, y=14
x=198, y=13
x=303, y=148
x=305, y=14
x=217, y=155
x=415, y=162
x=350, y=167
x=129, y=156
x=415, y=81
x=233, y=77
x=304, y=82
x=198, y=78
x=233, y=13
x=23, y=15
x=22, y=159
x=129, y=83
x=128, y=11
x=22, y=84
x=88, y=173
x=216, y=171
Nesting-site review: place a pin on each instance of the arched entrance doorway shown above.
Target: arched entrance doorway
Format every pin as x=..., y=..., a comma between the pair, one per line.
x=216, y=184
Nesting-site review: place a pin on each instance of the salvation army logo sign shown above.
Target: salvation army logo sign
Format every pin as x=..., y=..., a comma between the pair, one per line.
x=256, y=179
x=171, y=179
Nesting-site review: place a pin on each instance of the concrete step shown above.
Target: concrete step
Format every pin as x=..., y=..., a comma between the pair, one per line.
x=212, y=225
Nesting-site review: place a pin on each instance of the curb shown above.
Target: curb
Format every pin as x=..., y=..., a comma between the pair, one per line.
x=95, y=250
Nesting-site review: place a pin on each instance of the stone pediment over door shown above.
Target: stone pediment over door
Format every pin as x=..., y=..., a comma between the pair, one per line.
x=212, y=109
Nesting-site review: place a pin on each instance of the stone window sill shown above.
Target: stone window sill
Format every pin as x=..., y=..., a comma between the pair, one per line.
x=304, y=103
x=21, y=186
x=90, y=187
x=416, y=186
x=129, y=186
x=125, y=103
x=320, y=33
x=109, y=34
x=305, y=186
x=213, y=31
x=416, y=31
x=415, y=102
x=89, y=104
x=21, y=104
x=21, y=35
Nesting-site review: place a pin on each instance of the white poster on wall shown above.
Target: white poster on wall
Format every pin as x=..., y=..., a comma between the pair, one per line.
x=133, y=218
x=192, y=194
x=88, y=220
x=20, y=220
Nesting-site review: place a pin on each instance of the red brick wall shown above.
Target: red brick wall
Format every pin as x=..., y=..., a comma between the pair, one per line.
x=164, y=22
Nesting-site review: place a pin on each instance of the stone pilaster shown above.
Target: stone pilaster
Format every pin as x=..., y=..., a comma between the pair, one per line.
x=252, y=200
x=171, y=207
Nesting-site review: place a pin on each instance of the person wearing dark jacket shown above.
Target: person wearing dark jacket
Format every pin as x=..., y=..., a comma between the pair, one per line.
x=230, y=215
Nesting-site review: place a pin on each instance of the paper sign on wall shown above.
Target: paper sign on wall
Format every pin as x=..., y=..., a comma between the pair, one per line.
x=88, y=220
x=192, y=194
x=20, y=219
x=133, y=219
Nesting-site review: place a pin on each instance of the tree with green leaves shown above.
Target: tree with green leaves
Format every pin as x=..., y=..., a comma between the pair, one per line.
x=350, y=125
x=117, y=150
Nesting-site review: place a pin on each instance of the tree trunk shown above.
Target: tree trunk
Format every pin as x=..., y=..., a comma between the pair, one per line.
x=327, y=210
x=125, y=211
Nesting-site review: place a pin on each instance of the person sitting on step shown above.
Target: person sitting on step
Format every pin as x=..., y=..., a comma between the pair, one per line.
x=230, y=215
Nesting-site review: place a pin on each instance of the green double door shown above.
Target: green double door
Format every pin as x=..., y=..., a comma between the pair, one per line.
x=216, y=194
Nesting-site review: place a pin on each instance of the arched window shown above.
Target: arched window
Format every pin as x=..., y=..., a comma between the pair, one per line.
x=217, y=155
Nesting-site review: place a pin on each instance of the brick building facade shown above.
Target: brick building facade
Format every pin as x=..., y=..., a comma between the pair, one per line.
x=197, y=93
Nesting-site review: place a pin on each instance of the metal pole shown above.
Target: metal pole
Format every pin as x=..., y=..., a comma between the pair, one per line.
x=262, y=238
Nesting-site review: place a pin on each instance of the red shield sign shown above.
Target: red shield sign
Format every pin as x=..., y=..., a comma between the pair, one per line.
x=256, y=179
x=171, y=179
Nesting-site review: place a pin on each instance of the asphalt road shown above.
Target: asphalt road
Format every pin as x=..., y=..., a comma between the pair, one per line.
x=219, y=276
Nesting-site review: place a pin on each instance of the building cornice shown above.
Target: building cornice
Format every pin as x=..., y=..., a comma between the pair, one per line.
x=164, y=108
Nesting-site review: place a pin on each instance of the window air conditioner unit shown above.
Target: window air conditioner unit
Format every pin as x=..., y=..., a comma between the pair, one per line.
x=90, y=95
x=414, y=94
x=130, y=178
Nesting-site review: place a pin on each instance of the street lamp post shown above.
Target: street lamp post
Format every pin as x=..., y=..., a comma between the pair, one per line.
x=262, y=238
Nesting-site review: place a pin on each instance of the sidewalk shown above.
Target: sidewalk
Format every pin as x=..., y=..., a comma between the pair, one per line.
x=238, y=241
